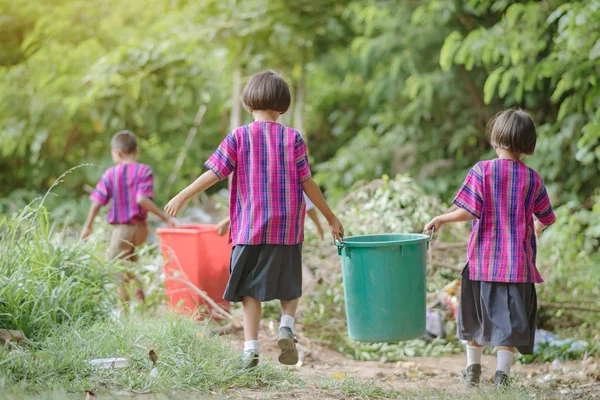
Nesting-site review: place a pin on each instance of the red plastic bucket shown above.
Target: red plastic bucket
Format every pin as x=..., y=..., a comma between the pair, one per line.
x=195, y=254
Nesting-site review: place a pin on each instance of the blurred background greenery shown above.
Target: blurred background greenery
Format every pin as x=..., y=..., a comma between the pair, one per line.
x=379, y=86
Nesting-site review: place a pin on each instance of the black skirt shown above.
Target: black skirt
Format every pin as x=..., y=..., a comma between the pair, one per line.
x=497, y=314
x=265, y=272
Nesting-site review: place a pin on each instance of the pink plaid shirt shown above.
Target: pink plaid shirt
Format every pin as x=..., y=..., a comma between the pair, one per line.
x=504, y=195
x=123, y=183
x=269, y=164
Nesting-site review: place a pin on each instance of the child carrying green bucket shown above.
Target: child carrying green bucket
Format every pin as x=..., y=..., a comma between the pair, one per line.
x=270, y=171
x=498, y=301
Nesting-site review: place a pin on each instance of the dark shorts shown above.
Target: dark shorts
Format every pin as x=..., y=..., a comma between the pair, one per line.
x=265, y=272
x=497, y=314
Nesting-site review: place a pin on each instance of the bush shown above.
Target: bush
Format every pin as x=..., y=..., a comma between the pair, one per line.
x=388, y=205
x=384, y=206
x=46, y=282
x=568, y=258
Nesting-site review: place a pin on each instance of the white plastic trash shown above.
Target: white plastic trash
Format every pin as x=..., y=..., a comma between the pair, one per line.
x=108, y=363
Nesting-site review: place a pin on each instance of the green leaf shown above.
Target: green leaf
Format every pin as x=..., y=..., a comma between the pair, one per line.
x=564, y=85
x=134, y=88
x=513, y=14
x=519, y=91
x=505, y=83
x=556, y=14
x=566, y=107
x=491, y=83
x=451, y=45
x=595, y=51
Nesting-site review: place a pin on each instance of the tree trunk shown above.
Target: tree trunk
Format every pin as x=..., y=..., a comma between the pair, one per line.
x=235, y=120
x=299, y=104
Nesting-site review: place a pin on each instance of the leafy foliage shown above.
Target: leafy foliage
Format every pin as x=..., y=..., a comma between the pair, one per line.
x=387, y=205
x=543, y=56
x=423, y=80
x=394, y=87
x=74, y=73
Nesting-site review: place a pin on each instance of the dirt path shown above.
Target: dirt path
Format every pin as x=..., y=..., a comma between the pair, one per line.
x=570, y=380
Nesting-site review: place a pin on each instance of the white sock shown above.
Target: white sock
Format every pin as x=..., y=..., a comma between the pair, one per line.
x=504, y=360
x=252, y=345
x=474, y=355
x=287, y=321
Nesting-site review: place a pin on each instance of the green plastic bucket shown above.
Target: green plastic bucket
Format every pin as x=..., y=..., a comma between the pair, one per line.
x=384, y=285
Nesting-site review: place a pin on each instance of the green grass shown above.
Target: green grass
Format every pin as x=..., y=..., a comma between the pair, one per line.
x=47, y=281
x=60, y=292
x=191, y=362
x=189, y=359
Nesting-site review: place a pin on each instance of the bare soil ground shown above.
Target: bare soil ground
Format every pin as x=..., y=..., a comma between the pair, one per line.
x=438, y=376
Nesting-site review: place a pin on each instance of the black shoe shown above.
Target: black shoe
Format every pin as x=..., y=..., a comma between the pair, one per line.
x=501, y=380
x=287, y=344
x=249, y=359
x=472, y=375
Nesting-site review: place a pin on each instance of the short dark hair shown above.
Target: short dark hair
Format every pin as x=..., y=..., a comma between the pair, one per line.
x=513, y=130
x=124, y=141
x=267, y=90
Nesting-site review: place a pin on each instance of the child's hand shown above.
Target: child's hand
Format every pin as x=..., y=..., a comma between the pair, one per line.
x=174, y=206
x=171, y=223
x=435, y=223
x=539, y=227
x=223, y=227
x=87, y=231
x=336, y=229
x=320, y=232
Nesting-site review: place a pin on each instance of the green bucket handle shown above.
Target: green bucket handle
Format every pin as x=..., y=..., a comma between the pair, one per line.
x=430, y=237
x=432, y=232
x=340, y=244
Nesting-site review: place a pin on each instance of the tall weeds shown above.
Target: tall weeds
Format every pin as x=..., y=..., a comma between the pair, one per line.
x=46, y=282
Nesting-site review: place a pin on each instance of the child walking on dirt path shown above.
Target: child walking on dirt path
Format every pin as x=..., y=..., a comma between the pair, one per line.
x=224, y=225
x=130, y=185
x=498, y=302
x=267, y=209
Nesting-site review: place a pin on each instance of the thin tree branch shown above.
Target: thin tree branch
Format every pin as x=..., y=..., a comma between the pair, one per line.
x=214, y=306
x=568, y=306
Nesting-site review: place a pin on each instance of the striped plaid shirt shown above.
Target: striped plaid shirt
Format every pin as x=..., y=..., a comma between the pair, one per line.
x=504, y=195
x=123, y=183
x=269, y=164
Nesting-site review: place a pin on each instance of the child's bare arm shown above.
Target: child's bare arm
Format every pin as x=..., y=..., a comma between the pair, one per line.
x=458, y=215
x=223, y=226
x=147, y=204
x=311, y=189
x=89, y=223
x=451, y=209
x=205, y=181
x=312, y=214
